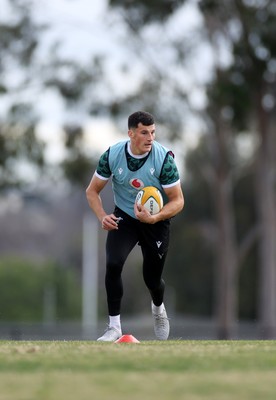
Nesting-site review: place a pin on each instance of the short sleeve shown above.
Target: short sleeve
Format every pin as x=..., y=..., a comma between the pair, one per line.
x=103, y=168
x=169, y=173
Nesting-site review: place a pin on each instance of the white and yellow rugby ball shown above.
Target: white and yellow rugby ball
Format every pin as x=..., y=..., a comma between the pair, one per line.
x=151, y=198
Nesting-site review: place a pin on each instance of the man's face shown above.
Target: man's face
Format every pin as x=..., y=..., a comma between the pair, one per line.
x=141, y=138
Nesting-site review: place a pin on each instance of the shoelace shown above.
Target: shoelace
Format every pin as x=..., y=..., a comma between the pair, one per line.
x=160, y=318
x=110, y=329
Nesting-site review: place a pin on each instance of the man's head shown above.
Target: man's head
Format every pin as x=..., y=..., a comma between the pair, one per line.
x=142, y=117
x=141, y=131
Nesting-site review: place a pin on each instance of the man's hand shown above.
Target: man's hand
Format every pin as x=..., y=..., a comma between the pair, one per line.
x=143, y=214
x=110, y=222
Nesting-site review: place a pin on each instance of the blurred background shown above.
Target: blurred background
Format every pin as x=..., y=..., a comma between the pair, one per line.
x=71, y=71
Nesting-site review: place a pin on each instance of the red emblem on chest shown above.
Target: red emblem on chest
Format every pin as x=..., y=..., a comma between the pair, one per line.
x=136, y=183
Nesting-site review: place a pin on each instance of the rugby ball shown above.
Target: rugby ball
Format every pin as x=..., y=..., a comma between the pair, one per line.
x=151, y=198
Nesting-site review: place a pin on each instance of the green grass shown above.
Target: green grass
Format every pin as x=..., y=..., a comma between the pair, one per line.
x=189, y=370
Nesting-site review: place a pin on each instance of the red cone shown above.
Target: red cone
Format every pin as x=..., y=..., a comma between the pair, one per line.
x=127, y=339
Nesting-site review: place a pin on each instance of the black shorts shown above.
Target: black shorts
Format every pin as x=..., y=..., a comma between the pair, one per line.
x=152, y=237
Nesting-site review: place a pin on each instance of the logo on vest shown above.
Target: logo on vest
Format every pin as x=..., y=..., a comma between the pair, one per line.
x=120, y=170
x=136, y=183
x=152, y=170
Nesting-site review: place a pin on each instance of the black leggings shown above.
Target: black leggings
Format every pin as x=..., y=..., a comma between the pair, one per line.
x=154, y=242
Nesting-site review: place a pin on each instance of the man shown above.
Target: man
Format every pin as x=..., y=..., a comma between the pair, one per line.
x=132, y=165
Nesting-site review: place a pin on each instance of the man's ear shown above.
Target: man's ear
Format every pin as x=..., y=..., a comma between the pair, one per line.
x=130, y=133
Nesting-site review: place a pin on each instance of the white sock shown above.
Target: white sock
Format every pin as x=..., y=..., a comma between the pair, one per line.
x=157, y=309
x=115, y=321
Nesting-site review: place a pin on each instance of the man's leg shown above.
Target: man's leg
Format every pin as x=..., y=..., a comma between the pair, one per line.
x=119, y=243
x=155, y=245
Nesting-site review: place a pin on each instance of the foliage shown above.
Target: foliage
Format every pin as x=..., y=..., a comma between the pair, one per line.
x=190, y=271
x=77, y=166
x=146, y=11
x=249, y=29
x=18, y=38
x=22, y=290
x=18, y=142
x=162, y=77
x=22, y=76
x=234, y=97
x=18, y=147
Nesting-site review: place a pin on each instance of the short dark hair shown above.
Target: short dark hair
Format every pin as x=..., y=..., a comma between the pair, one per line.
x=140, y=116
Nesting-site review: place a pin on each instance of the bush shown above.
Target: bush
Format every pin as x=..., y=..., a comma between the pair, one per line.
x=24, y=286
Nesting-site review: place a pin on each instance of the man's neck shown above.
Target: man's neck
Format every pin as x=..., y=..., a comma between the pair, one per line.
x=130, y=152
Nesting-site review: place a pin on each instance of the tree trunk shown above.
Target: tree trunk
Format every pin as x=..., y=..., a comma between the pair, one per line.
x=226, y=293
x=226, y=274
x=267, y=219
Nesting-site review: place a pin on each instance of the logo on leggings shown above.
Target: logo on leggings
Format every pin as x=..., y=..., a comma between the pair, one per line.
x=158, y=244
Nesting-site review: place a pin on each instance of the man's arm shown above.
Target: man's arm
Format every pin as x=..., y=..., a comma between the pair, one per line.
x=174, y=205
x=93, y=190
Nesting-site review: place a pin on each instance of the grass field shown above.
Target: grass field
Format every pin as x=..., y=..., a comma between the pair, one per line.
x=149, y=370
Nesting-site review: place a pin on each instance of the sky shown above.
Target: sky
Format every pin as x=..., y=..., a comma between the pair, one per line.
x=84, y=28
x=79, y=27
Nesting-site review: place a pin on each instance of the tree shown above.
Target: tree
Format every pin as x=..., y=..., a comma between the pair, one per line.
x=240, y=97
x=251, y=70
x=160, y=73
x=23, y=77
x=18, y=142
x=219, y=174
x=77, y=166
x=25, y=284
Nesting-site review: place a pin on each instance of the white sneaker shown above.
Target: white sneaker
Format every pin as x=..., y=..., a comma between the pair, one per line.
x=161, y=325
x=110, y=335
